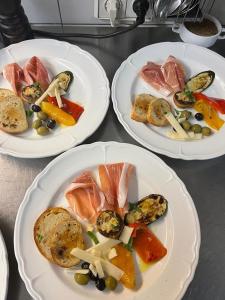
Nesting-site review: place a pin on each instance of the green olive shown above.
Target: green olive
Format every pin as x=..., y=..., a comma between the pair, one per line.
x=81, y=278
x=111, y=283
x=206, y=131
x=196, y=128
x=186, y=125
x=36, y=124
x=41, y=115
x=186, y=114
x=42, y=130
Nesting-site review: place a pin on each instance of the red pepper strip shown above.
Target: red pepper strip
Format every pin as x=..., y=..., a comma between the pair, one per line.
x=217, y=104
x=147, y=245
x=68, y=106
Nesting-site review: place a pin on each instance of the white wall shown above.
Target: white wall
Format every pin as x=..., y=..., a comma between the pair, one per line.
x=80, y=11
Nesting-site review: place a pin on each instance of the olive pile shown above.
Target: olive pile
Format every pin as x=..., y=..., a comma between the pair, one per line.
x=42, y=124
x=101, y=283
x=196, y=128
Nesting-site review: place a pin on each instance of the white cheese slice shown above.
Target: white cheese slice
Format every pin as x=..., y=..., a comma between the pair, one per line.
x=99, y=269
x=58, y=98
x=126, y=234
x=175, y=124
x=96, y=252
x=175, y=136
x=93, y=270
x=82, y=271
x=104, y=246
x=108, y=267
x=52, y=86
x=112, y=253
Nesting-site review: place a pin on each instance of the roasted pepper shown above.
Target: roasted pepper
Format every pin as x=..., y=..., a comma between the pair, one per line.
x=57, y=114
x=210, y=114
x=216, y=103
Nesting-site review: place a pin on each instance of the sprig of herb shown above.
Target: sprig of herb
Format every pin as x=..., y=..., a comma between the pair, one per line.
x=129, y=245
x=29, y=113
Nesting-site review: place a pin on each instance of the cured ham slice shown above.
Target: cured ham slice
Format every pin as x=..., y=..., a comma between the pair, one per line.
x=114, y=183
x=153, y=75
x=34, y=71
x=173, y=73
x=14, y=74
x=85, y=198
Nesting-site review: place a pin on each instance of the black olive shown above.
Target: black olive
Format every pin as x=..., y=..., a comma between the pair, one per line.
x=51, y=123
x=85, y=265
x=92, y=276
x=35, y=108
x=100, y=284
x=199, y=116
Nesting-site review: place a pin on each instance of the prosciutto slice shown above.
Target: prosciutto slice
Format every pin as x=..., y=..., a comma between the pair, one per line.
x=114, y=183
x=173, y=73
x=14, y=74
x=85, y=198
x=34, y=71
x=153, y=75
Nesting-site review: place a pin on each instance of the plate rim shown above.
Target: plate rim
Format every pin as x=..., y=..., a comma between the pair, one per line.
x=25, y=200
x=5, y=255
x=95, y=128
x=132, y=133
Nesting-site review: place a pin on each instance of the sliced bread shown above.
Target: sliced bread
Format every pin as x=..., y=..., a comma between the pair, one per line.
x=140, y=107
x=45, y=226
x=5, y=92
x=156, y=112
x=66, y=236
x=12, y=114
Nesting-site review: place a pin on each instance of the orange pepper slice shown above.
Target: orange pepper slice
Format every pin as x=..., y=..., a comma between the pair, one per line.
x=57, y=114
x=210, y=114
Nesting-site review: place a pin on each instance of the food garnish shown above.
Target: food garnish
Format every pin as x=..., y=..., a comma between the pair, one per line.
x=93, y=237
x=148, y=210
x=184, y=99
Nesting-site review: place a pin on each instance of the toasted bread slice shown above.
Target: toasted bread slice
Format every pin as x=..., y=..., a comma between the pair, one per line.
x=12, y=114
x=5, y=92
x=140, y=107
x=67, y=235
x=156, y=112
x=45, y=226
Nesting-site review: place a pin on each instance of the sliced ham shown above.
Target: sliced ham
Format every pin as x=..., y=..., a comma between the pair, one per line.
x=14, y=74
x=173, y=73
x=153, y=75
x=34, y=71
x=85, y=198
x=114, y=183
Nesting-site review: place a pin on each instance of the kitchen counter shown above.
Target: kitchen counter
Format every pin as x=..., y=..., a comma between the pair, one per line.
x=204, y=179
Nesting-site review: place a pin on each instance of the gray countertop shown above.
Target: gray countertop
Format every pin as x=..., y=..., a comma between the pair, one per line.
x=205, y=180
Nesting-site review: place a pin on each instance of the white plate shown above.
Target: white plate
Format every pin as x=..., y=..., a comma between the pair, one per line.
x=4, y=269
x=126, y=84
x=178, y=230
x=90, y=88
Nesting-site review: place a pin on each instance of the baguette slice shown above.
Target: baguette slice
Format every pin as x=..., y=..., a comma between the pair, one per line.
x=67, y=235
x=5, y=92
x=12, y=114
x=140, y=107
x=156, y=112
x=45, y=226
